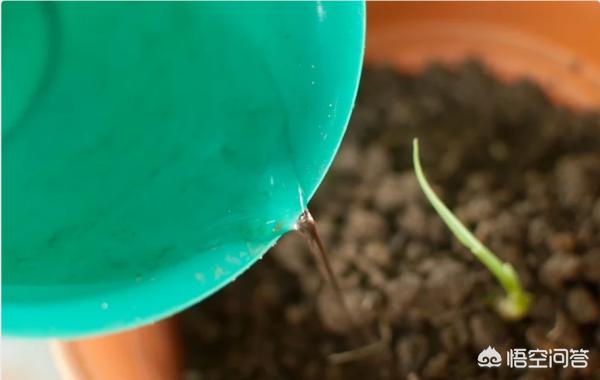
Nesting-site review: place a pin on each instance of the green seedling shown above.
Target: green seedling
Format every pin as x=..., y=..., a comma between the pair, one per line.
x=515, y=304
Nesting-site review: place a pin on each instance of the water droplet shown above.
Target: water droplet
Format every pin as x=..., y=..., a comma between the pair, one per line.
x=254, y=249
x=232, y=260
x=301, y=198
x=104, y=305
x=199, y=277
x=320, y=11
x=277, y=227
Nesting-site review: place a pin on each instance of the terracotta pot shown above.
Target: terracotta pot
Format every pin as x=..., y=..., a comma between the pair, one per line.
x=553, y=44
x=149, y=353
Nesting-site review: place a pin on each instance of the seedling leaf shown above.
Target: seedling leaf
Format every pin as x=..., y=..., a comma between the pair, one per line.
x=516, y=303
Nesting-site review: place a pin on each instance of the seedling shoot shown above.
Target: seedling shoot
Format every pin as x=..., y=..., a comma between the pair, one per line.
x=515, y=304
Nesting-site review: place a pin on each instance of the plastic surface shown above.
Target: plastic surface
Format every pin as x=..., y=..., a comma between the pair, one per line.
x=153, y=151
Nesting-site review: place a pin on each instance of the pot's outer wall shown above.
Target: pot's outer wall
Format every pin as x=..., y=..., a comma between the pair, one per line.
x=554, y=44
x=147, y=353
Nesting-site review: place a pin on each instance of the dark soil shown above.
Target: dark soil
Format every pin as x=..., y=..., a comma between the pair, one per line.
x=522, y=174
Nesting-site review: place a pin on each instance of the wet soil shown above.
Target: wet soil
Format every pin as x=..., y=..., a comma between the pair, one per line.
x=521, y=173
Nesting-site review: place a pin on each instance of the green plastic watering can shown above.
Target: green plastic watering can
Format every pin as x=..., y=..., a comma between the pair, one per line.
x=153, y=151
